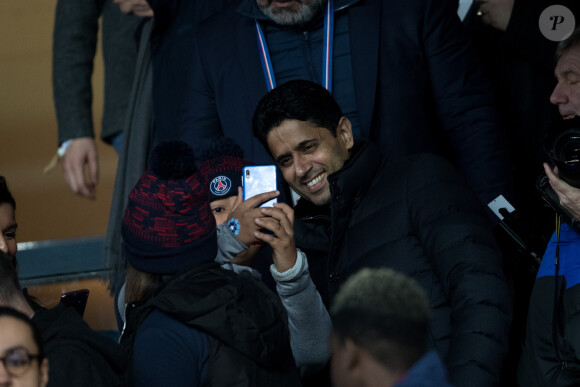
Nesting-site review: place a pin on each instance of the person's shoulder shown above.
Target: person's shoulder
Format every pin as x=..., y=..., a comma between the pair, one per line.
x=408, y=8
x=409, y=163
x=423, y=159
x=422, y=170
x=224, y=19
x=158, y=320
x=58, y=320
x=422, y=164
x=161, y=331
x=168, y=352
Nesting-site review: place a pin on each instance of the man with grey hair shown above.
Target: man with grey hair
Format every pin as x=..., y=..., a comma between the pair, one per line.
x=381, y=319
x=566, y=96
x=552, y=345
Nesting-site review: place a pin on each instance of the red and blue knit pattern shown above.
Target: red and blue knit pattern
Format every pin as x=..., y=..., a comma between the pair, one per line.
x=168, y=223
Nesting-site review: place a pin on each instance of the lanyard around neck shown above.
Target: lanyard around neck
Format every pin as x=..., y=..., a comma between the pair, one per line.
x=326, y=51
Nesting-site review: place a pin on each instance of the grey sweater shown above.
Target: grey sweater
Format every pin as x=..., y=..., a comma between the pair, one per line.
x=308, y=319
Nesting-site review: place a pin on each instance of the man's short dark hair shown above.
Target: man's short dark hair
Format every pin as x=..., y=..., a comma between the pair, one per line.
x=5, y=195
x=386, y=313
x=36, y=335
x=296, y=100
x=567, y=44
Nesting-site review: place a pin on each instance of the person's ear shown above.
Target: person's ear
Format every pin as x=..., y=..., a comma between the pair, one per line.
x=44, y=368
x=344, y=133
x=350, y=355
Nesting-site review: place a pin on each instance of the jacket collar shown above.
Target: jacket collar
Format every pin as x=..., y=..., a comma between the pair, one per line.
x=357, y=174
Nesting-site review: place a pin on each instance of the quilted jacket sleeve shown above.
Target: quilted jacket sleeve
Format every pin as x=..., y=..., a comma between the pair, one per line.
x=457, y=236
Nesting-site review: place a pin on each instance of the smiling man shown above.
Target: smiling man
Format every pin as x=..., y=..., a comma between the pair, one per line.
x=316, y=154
x=407, y=82
x=415, y=215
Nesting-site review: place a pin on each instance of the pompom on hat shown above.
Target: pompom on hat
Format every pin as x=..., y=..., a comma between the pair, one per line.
x=221, y=163
x=168, y=226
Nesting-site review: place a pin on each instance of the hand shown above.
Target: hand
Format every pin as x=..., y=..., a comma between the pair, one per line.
x=246, y=212
x=280, y=221
x=81, y=168
x=137, y=7
x=496, y=13
x=568, y=195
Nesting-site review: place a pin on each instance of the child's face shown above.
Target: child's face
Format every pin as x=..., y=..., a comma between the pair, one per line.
x=221, y=211
x=221, y=208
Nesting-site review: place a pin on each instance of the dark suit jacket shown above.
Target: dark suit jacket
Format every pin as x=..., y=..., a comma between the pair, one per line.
x=417, y=83
x=76, y=26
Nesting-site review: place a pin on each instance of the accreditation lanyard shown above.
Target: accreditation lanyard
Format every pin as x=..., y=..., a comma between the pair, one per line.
x=326, y=51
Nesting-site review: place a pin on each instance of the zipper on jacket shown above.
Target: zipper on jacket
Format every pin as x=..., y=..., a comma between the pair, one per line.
x=132, y=306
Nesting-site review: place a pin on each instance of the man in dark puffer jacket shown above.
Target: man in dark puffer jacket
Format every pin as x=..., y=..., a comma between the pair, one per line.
x=415, y=215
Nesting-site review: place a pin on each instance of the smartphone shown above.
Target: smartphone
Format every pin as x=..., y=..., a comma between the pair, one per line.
x=76, y=299
x=257, y=179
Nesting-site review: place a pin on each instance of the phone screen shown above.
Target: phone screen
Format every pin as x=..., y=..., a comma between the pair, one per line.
x=258, y=179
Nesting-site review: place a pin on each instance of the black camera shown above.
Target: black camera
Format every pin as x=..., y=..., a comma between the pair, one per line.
x=563, y=148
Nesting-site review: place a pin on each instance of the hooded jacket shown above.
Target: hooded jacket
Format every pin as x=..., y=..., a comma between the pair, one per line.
x=77, y=355
x=245, y=325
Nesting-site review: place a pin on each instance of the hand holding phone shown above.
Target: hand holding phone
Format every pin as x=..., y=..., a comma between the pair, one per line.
x=241, y=219
x=278, y=231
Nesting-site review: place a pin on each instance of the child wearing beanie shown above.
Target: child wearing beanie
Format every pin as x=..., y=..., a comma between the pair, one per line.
x=239, y=246
x=189, y=322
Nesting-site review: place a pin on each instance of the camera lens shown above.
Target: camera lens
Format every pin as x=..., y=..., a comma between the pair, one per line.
x=566, y=155
x=567, y=147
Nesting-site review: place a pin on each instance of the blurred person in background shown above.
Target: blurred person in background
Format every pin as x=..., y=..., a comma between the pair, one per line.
x=380, y=323
x=22, y=360
x=78, y=355
x=76, y=27
x=8, y=223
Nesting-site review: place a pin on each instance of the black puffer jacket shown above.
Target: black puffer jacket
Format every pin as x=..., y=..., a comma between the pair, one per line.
x=417, y=216
x=245, y=322
x=77, y=355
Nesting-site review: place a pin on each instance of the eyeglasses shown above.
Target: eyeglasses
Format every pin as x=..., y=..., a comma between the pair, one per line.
x=17, y=361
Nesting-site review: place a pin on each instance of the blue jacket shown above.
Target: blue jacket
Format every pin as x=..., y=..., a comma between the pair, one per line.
x=428, y=371
x=541, y=364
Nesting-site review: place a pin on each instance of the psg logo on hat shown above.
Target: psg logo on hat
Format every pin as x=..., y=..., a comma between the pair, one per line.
x=220, y=186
